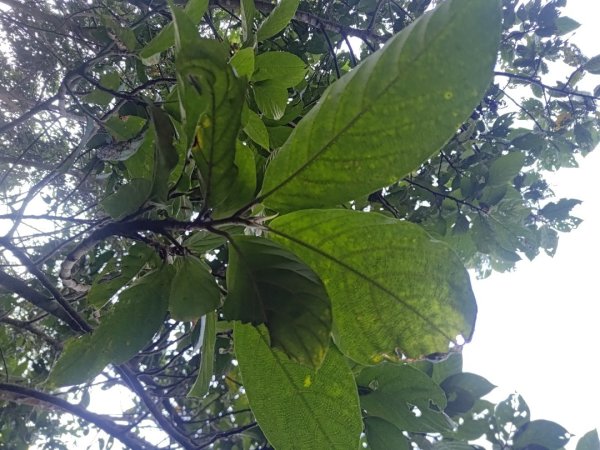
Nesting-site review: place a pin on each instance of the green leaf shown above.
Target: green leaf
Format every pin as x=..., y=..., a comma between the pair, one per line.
x=211, y=98
x=463, y=390
x=165, y=153
x=194, y=9
x=565, y=25
x=256, y=129
x=111, y=279
x=271, y=98
x=80, y=360
x=282, y=68
x=505, y=168
x=383, y=435
x=593, y=65
x=116, y=340
x=194, y=291
x=243, y=62
x=395, y=390
x=392, y=287
x=207, y=359
x=128, y=199
x=248, y=10
x=513, y=410
x=124, y=128
x=540, y=433
x=559, y=211
x=203, y=241
x=268, y=284
x=381, y=120
x=243, y=187
x=295, y=406
x=589, y=441
x=110, y=80
x=278, y=19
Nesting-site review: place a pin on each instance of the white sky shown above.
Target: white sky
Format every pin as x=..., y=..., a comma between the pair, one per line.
x=538, y=328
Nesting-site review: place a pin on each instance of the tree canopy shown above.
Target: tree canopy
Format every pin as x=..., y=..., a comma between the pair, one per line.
x=253, y=221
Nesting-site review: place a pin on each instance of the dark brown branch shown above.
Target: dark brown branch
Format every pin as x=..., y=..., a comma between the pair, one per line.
x=20, y=394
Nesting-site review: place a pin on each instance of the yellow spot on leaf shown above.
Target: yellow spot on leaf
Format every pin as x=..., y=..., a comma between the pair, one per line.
x=307, y=381
x=448, y=95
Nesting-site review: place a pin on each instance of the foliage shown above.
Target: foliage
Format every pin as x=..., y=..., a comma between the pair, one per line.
x=258, y=221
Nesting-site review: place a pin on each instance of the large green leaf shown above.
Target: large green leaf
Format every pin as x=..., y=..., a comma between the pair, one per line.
x=395, y=390
x=381, y=120
x=116, y=340
x=295, y=406
x=393, y=288
x=128, y=199
x=165, y=153
x=194, y=291
x=268, y=284
x=278, y=19
x=211, y=98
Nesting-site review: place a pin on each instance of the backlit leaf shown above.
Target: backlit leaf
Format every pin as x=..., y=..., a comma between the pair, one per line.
x=393, y=288
x=295, y=406
x=278, y=19
x=381, y=120
x=194, y=291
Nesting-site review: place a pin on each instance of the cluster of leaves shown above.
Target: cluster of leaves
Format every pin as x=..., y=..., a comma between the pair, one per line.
x=265, y=244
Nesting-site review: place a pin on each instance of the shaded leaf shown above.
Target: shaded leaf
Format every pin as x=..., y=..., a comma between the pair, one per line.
x=381, y=120
x=404, y=396
x=593, y=65
x=194, y=9
x=116, y=340
x=544, y=433
x=505, y=168
x=243, y=62
x=463, y=390
x=268, y=284
x=271, y=99
x=295, y=406
x=207, y=358
x=589, y=441
x=369, y=264
x=194, y=291
x=124, y=128
x=565, y=25
x=128, y=199
x=256, y=130
x=383, y=435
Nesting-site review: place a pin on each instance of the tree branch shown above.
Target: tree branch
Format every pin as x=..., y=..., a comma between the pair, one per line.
x=20, y=394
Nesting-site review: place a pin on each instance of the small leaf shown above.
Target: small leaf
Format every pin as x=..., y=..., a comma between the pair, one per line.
x=110, y=80
x=256, y=130
x=243, y=62
x=593, y=65
x=540, y=433
x=194, y=9
x=395, y=390
x=384, y=118
x=383, y=435
x=248, y=10
x=282, y=68
x=463, y=390
x=505, y=168
x=559, y=211
x=295, y=406
x=271, y=99
x=113, y=278
x=165, y=153
x=128, y=199
x=565, y=25
x=207, y=358
x=194, y=291
x=589, y=441
x=267, y=284
x=392, y=287
x=124, y=128
x=278, y=19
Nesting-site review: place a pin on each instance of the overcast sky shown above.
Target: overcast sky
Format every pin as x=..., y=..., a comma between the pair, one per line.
x=538, y=328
